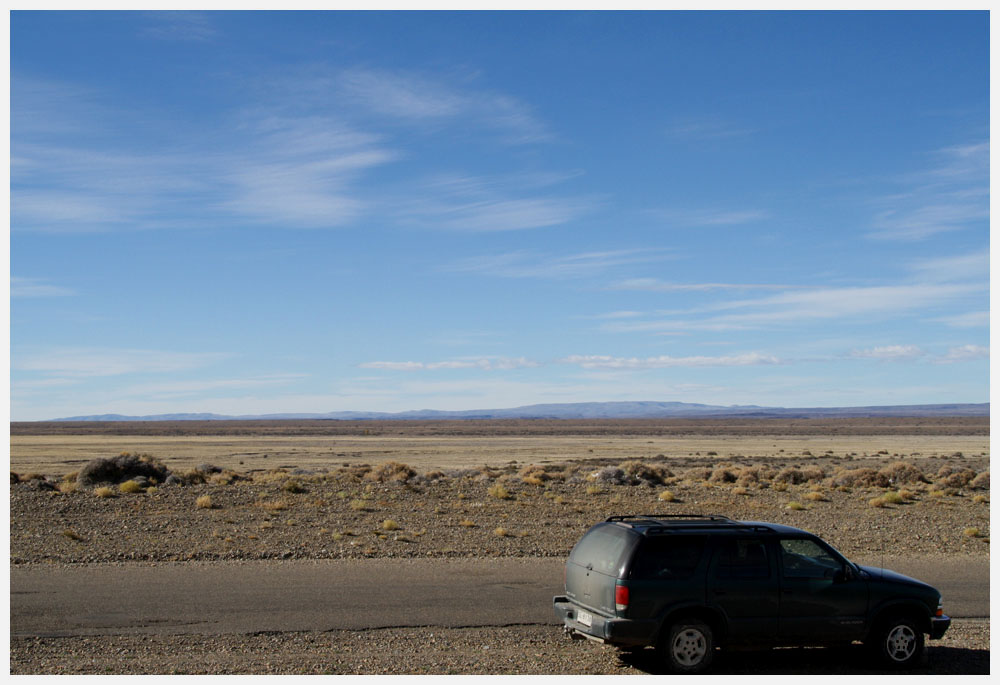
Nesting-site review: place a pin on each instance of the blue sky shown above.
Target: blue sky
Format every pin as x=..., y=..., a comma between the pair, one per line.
x=308, y=212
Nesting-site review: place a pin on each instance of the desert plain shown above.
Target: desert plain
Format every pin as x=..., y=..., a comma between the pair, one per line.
x=263, y=496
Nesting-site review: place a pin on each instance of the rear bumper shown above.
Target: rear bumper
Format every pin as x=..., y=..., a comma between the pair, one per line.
x=939, y=624
x=616, y=631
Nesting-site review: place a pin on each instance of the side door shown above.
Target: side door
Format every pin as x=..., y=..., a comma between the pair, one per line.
x=743, y=584
x=821, y=599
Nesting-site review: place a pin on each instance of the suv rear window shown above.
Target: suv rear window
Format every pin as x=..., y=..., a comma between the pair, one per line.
x=668, y=557
x=742, y=558
x=604, y=548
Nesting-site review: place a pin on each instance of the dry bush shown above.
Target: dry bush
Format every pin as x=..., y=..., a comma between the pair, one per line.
x=534, y=474
x=194, y=477
x=972, y=532
x=359, y=505
x=796, y=476
x=71, y=476
x=740, y=491
x=698, y=474
x=795, y=506
x=722, y=475
x=130, y=486
x=67, y=486
x=389, y=524
x=903, y=472
x=979, y=499
x=391, y=472
x=502, y=532
x=639, y=472
x=878, y=502
x=609, y=475
x=225, y=478
x=779, y=487
x=499, y=491
x=204, y=502
x=981, y=482
x=892, y=498
x=293, y=486
x=121, y=468
x=958, y=479
x=594, y=490
x=860, y=478
x=435, y=476
x=72, y=534
x=814, y=496
x=274, y=505
x=752, y=475
x=907, y=495
x=104, y=492
x=466, y=523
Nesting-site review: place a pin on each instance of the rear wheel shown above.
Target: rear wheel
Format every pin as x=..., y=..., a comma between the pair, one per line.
x=688, y=647
x=898, y=643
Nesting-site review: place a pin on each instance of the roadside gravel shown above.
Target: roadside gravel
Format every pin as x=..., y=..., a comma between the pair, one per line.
x=529, y=649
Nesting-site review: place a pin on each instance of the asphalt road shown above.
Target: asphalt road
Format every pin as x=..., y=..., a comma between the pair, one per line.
x=221, y=598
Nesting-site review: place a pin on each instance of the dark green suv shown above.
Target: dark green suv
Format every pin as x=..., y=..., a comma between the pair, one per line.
x=688, y=584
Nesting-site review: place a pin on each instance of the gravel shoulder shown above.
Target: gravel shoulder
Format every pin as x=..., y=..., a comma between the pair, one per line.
x=523, y=649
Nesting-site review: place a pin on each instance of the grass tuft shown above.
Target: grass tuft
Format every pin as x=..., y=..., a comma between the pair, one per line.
x=204, y=502
x=666, y=496
x=795, y=506
x=502, y=532
x=104, y=492
x=499, y=491
x=389, y=524
x=129, y=487
x=972, y=532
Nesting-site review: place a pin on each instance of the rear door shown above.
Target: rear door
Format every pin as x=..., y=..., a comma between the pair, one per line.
x=743, y=584
x=667, y=571
x=594, y=565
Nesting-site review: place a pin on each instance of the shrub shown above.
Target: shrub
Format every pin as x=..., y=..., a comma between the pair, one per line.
x=892, y=498
x=979, y=499
x=878, y=502
x=534, y=475
x=815, y=496
x=67, y=486
x=466, y=523
x=499, y=491
x=130, y=486
x=533, y=480
x=698, y=474
x=722, y=475
x=389, y=524
x=609, y=475
x=72, y=534
x=795, y=506
x=636, y=472
x=972, y=532
x=860, y=478
x=204, y=502
x=903, y=472
x=981, y=482
x=123, y=467
x=293, y=486
x=502, y=532
x=907, y=495
x=594, y=490
x=959, y=479
x=780, y=487
x=666, y=496
x=275, y=505
x=740, y=491
x=359, y=505
x=104, y=492
x=391, y=471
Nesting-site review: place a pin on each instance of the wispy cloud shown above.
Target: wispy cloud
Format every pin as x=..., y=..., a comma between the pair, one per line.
x=410, y=95
x=967, y=320
x=36, y=287
x=708, y=128
x=965, y=353
x=656, y=285
x=890, y=353
x=96, y=362
x=950, y=196
x=524, y=264
x=482, y=363
x=664, y=361
x=179, y=25
x=709, y=217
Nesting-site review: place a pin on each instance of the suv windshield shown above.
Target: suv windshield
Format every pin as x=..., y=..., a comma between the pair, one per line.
x=603, y=548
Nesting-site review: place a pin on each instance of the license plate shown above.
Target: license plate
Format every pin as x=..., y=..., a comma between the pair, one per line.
x=584, y=618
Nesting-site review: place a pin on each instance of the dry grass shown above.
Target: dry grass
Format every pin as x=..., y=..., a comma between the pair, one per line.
x=502, y=532
x=666, y=496
x=795, y=506
x=272, y=505
x=878, y=502
x=72, y=534
x=293, y=486
x=467, y=523
x=972, y=532
x=204, y=502
x=359, y=505
x=130, y=487
x=594, y=490
x=740, y=491
x=67, y=486
x=814, y=496
x=104, y=492
x=980, y=499
x=499, y=492
x=389, y=524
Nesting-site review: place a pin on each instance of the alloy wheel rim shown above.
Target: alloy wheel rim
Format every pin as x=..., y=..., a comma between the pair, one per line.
x=901, y=643
x=690, y=647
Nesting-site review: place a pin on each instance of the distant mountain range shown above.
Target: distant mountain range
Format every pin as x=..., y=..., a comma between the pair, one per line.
x=590, y=410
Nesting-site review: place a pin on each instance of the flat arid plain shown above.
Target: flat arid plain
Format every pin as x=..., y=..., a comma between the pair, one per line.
x=436, y=546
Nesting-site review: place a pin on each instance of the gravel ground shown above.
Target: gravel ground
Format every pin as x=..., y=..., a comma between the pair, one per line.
x=530, y=649
x=341, y=514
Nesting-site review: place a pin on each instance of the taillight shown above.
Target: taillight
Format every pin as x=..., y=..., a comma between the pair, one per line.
x=621, y=597
x=940, y=608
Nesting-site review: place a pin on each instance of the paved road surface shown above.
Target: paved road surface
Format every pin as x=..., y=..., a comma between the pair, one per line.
x=216, y=598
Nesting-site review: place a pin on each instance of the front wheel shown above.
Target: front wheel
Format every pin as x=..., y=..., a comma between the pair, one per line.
x=899, y=643
x=689, y=647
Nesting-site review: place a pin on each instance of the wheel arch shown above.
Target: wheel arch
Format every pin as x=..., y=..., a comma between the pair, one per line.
x=715, y=620
x=911, y=610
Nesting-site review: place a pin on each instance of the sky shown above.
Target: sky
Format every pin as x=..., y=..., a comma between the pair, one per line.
x=265, y=212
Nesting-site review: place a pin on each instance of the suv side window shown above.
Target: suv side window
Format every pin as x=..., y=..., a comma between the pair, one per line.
x=801, y=558
x=668, y=557
x=742, y=558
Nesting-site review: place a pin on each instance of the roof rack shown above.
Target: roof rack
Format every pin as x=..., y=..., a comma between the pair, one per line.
x=670, y=522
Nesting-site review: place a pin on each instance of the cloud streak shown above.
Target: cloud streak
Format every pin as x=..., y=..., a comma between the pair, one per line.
x=483, y=364
x=665, y=361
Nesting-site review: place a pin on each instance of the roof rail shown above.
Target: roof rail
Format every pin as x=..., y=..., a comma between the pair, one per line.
x=710, y=518
x=666, y=523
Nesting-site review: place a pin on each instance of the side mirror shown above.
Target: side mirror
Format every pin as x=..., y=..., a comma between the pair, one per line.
x=843, y=574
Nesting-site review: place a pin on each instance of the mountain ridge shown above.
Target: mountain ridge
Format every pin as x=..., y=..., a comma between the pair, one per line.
x=582, y=410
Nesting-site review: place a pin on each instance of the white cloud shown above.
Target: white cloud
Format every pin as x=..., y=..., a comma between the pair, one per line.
x=967, y=320
x=711, y=217
x=96, y=362
x=36, y=287
x=482, y=363
x=662, y=362
x=965, y=353
x=656, y=285
x=525, y=264
x=890, y=353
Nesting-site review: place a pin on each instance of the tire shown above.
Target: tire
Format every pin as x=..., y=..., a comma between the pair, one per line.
x=898, y=643
x=688, y=647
